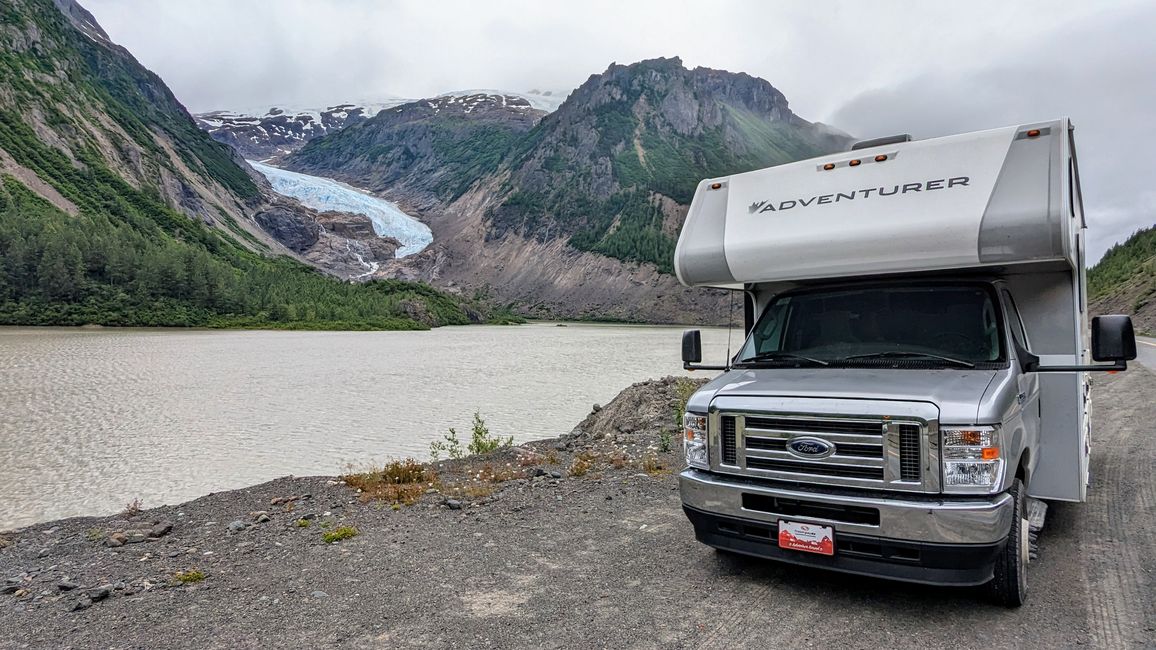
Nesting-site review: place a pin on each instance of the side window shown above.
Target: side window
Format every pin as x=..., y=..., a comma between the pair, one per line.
x=1017, y=323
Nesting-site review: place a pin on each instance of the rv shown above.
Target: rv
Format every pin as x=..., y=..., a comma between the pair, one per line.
x=914, y=382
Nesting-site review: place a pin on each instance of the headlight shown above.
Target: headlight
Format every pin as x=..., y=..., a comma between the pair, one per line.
x=971, y=458
x=694, y=440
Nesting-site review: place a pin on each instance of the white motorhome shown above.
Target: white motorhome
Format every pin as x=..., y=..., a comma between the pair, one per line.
x=913, y=383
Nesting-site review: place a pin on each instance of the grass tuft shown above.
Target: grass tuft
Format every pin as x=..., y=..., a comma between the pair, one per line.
x=338, y=534
x=190, y=576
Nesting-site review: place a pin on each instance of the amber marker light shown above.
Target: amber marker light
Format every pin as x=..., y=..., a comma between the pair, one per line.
x=715, y=186
x=829, y=166
x=855, y=163
x=881, y=157
x=990, y=453
x=1033, y=133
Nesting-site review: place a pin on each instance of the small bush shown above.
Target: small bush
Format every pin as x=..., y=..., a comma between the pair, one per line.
x=92, y=535
x=652, y=465
x=582, y=464
x=665, y=442
x=5, y=542
x=449, y=445
x=133, y=508
x=190, y=576
x=338, y=534
x=399, y=481
x=482, y=441
x=303, y=523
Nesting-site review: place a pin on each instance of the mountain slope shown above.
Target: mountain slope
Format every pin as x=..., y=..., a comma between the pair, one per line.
x=115, y=208
x=629, y=145
x=577, y=216
x=1124, y=280
x=435, y=147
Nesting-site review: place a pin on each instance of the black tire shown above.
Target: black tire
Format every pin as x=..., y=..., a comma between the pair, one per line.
x=1009, y=586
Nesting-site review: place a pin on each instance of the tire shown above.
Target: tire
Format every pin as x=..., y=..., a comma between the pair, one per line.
x=1009, y=586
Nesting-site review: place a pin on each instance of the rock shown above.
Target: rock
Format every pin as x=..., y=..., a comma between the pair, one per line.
x=43, y=552
x=276, y=501
x=556, y=474
x=453, y=504
x=293, y=228
x=136, y=536
x=161, y=529
x=262, y=518
x=9, y=589
x=99, y=593
x=67, y=585
x=83, y=603
x=538, y=471
x=319, y=594
x=560, y=446
x=237, y=526
x=308, y=516
x=116, y=539
x=597, y=407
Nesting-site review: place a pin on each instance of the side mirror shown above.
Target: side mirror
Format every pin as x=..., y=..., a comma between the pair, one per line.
x=1113, y=338
x=691, y=347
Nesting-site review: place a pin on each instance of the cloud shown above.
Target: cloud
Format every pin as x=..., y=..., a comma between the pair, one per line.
x=1097, y=71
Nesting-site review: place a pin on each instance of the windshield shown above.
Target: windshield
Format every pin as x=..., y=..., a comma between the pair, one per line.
x=927, y=324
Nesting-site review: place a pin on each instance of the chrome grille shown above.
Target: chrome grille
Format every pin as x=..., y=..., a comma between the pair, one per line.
x=728, y=440
x=868, y=451
x=909, y=461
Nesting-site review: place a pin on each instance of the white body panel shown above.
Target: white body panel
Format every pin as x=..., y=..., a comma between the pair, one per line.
x=1014, y=212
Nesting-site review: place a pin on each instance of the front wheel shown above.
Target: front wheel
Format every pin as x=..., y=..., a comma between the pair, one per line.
x=1009, y=586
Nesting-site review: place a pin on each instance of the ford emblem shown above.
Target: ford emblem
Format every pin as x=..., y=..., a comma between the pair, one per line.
x=810, y=448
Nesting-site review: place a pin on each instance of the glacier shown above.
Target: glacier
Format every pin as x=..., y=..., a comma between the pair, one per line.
x=327, y=194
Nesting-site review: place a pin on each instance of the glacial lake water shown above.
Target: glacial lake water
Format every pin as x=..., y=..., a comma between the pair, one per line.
x=94, y=418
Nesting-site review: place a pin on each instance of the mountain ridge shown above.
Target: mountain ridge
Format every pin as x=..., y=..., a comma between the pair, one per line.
x=586, y=204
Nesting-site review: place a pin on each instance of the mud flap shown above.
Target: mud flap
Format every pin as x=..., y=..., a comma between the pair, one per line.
x=1037, y=513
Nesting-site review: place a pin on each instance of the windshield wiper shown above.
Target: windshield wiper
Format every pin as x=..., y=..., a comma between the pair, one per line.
x=900, y=354
x=774, y=355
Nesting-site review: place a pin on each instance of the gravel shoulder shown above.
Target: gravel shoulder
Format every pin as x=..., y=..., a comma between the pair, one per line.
x=605, y=559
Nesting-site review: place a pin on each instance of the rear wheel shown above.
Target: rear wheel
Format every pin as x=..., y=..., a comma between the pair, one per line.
x=1009, y=586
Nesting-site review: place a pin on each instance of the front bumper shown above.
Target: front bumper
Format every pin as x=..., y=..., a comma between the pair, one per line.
x=933, y=539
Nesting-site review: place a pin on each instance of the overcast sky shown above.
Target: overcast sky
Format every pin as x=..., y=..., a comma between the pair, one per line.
x=869, y=68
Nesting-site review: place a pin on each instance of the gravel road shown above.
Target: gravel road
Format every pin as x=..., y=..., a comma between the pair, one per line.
x=602, y=560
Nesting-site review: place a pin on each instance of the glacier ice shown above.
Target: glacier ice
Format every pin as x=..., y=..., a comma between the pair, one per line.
x=327, y=194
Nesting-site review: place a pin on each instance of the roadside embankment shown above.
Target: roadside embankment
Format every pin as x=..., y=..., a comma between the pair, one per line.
x=571, y=542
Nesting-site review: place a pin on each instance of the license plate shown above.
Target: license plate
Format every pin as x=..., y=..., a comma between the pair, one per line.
x=808, y=538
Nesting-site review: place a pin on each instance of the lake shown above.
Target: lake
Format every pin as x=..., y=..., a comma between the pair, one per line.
x=94, y=418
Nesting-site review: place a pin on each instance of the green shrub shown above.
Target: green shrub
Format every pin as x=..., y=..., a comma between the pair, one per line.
x=338, y=534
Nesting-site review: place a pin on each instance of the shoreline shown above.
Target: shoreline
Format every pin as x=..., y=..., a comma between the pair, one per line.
x=552, y=543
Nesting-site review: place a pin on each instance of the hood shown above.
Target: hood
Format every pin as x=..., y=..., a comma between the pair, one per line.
x=957, y=393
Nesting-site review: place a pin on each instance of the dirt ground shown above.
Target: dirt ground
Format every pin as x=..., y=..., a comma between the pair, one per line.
x=602, y=560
